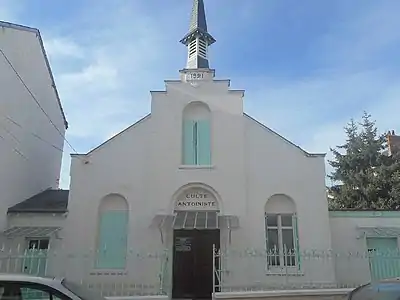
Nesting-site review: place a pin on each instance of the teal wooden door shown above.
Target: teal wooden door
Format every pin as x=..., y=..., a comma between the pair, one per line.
x=35, y=262
x=384, y=259
x=35, y=257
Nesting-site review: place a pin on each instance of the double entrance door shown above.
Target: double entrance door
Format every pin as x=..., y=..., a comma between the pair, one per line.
x=193, y=263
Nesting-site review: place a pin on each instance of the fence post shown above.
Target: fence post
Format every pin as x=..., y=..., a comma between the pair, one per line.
x=214, y=270
x=164, y=267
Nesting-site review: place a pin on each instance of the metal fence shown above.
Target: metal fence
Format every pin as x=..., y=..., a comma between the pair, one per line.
x=253, y=270
x=234, y=270
x=144, y=274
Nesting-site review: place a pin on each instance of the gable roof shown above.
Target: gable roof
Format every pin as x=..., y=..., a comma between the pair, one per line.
x=244, y=114
x=37, y=32
x=308, y=154
x=48, y=201
x=114, y=136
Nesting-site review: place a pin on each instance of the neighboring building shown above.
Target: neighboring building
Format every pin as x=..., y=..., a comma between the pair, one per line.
x=30, y=145
x=148, y=209
x=393, y=142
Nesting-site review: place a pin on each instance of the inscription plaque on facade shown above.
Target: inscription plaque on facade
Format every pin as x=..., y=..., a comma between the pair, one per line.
x=197, y=76
x=196, y=199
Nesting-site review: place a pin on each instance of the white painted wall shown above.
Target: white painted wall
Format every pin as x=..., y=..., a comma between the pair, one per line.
x=274, y=166
x=249, y=165
x=349, y=242
x=38, y=166
x=15, y=248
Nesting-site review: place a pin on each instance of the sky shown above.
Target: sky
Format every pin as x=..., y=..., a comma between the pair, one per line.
x=307, y=66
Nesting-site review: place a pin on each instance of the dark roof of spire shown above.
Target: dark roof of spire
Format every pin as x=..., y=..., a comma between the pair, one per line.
x=198, y=18
x=198, y=24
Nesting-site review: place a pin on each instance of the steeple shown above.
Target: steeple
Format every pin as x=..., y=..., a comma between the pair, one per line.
x=198, y=39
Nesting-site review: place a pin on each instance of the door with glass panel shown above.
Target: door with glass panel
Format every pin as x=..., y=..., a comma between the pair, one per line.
x=35, y=257
x=384, y=259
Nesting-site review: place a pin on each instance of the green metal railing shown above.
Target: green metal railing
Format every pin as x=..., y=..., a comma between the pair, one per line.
x=164, y=274
x=144, y=273
x=250, y=269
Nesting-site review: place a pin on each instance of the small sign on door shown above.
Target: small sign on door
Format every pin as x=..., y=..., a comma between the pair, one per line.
x=183, y=244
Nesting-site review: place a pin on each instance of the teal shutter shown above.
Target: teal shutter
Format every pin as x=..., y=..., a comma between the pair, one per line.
x=203, y=142
x=188, y=143
x=296, y=241
x=112, y=240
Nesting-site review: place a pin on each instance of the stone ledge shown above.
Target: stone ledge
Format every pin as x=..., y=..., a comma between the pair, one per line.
x=303, y=294
x=154, y=297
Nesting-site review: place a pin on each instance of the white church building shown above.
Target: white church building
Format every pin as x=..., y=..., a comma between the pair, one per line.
x=198, y=197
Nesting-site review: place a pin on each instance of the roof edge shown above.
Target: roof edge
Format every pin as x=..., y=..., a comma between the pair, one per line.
x=363, y=213
x=16, y=208
x=38, y=34
x=285, y=139
x=37, y=211
x=115, y=136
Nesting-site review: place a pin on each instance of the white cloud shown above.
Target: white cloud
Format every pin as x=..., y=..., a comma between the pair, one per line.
x=63, y=47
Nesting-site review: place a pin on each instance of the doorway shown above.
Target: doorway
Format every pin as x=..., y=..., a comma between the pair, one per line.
x=193, y=263
x=35, y=257
x=384, y=260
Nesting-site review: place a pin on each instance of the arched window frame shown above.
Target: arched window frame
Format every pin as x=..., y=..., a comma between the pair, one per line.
x=196, y=135
x=281, y=225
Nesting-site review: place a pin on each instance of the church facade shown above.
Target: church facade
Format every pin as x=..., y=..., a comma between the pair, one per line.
x=199, y=197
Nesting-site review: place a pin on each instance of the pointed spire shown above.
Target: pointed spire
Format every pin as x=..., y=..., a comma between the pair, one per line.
x=198, y=39
x=198, y=19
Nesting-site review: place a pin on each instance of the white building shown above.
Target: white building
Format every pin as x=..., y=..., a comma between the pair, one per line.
x=147, y=207
x=30, y=144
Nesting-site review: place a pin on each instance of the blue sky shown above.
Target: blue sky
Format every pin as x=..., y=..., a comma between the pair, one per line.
x=307, y=66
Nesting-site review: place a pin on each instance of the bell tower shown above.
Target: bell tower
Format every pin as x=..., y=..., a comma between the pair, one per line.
x=197, y=40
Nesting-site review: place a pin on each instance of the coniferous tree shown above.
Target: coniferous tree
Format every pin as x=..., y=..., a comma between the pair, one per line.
x=364, y=177
x=346, y=162
x=388, y=175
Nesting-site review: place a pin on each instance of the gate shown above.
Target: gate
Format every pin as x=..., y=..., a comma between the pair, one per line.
x=384, y=258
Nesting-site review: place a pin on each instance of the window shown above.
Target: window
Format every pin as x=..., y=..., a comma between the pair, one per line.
x=196, y=142
x=196, y=134
x=38, y=244
x=281, y=239
x=29, y=291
